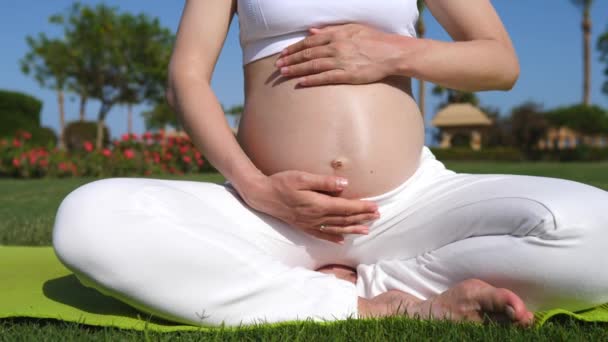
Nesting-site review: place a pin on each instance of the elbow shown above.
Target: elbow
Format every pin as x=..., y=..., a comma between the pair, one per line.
x=510, y=76
x=509, y=71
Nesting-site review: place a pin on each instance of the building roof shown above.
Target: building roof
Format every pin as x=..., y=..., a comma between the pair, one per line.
x=461, y=114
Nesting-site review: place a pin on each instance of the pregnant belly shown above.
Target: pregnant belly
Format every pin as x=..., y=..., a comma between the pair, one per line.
x=370, y=134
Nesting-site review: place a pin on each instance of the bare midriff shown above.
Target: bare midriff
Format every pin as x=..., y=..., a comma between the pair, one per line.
x=371, y=134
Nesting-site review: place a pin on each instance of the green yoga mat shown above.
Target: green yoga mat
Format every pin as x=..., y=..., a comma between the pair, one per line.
x=33, y=283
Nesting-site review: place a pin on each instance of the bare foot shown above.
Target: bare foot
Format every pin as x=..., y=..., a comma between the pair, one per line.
x=340, y=271
x=470, y=300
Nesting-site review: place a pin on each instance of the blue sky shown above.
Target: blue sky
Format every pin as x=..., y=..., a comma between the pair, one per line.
x=546, y=34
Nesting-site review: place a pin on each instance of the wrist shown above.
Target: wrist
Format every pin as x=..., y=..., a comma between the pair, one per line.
x=248, y=183
x=404, y=62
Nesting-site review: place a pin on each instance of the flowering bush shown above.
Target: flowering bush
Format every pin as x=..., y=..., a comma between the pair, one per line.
x=132, y=155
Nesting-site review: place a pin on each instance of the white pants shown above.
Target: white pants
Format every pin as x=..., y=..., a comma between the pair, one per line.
x=194, y=252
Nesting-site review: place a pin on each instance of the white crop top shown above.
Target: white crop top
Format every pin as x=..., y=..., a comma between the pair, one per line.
x=269, y=26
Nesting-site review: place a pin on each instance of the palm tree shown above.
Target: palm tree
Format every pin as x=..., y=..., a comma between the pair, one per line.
x=585, y=6
x=421, y=30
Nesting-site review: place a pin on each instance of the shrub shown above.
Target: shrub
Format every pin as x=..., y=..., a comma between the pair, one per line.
x=150, y=154
x=43, y=136
x=465, y=153
x=582, y=118
x=77, y=132
x=18, y=111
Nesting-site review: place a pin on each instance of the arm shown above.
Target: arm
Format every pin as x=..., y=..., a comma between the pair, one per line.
x=202, y=31
x=291, y=195
x=481, y=57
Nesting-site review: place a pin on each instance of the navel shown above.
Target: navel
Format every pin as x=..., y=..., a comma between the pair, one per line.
x=338, y=163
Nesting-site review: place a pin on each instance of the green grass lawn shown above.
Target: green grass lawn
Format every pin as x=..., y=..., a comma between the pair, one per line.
x=27, y=209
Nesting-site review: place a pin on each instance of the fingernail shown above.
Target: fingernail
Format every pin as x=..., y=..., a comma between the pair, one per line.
x=364, y=231
x=283, y=52
x=341, y=242
x=510, y=312
x=279, y=63
x=342, y=182
x=284, y=70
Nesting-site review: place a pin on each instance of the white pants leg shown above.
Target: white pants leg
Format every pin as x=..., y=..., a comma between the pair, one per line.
x=192, y=252
x=544, y=238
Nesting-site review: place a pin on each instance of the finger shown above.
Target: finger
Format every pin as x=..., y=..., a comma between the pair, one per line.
x=354, y=229
x=347, y=207
x=307, y=43
x=327, y=28
x=344, y=221
x=314, y=66
x=305, y=55
x=324, y=236
x=335, y=76
x=310, y=181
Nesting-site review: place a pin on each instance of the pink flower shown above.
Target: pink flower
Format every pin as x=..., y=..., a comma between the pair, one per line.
x=129, y=154
x=16, y=162
x=187, y=159
x=88, y=146
x=106, y=152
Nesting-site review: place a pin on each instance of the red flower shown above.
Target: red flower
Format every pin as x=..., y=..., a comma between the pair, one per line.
x=126, y=137
x=16, y=162
x=197, y=155
x=129, y=154
x=199, y=162
x=184, y=149
x=16, y=142
x=88, y=146
x=43, y=163
x=187, y=159
x=62, y=166
x=106, y=152
x=26, y=135
x=156, y=158
x=147, y=135
x=134, y=136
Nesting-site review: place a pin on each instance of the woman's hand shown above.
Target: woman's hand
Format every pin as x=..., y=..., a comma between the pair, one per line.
x=294, y=197
x=347, y=53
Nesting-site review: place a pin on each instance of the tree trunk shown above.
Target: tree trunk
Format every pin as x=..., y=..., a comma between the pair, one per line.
x=60, y=101
x=103, y=111
x=83, y=104
x=587, y=58
x=129, y=118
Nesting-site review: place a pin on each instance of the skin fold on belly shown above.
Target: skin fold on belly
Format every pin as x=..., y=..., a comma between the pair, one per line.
x=371, y=134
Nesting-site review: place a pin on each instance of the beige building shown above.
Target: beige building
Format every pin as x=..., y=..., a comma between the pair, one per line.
x=462, y=122
x=564, y=137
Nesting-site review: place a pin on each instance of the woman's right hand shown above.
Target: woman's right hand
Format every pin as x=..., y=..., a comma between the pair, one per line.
x=295, y=197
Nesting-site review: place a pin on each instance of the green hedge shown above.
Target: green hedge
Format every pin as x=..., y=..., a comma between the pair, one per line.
x=466, y=153
x=18, y=111
x=580, y=153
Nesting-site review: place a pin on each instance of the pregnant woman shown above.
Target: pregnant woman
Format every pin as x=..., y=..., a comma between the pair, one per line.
x=329, y=168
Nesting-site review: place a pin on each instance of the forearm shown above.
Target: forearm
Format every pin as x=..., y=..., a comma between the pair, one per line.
x=203, y=119
x=464, y=65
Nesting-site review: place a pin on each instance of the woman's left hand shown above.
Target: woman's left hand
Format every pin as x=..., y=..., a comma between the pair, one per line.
x=347, y=53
